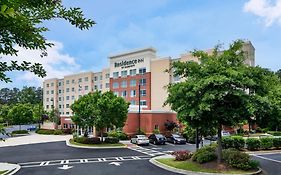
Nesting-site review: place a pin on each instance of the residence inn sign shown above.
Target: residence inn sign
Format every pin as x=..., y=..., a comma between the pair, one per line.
x=128, y=63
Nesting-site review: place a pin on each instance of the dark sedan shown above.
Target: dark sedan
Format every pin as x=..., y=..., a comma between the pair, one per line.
x=157, y=139
x=175, y=138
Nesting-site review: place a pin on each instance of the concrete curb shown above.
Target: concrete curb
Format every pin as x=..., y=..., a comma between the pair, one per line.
x=92, y=147
x=10, y=168
x=263, y=152
x=180, y=171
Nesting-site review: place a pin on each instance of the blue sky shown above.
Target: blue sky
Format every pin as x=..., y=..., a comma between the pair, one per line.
x=172, y=27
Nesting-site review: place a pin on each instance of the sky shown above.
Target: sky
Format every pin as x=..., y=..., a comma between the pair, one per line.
x=172, y=27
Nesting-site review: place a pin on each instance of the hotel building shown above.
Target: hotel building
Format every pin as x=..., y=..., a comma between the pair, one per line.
x=131, y=75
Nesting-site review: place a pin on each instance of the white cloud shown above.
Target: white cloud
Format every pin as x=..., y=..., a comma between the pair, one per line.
x=56, y=64
x=270, y=11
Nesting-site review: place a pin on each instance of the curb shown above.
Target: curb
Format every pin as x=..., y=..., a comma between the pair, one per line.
x=263, y=152
x=12, y=171
x=186, y=172
x=93, y=147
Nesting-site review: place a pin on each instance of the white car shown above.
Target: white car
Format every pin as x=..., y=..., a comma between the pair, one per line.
x=140, y=140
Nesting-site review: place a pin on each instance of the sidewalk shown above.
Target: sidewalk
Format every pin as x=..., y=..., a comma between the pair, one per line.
x=32, y=139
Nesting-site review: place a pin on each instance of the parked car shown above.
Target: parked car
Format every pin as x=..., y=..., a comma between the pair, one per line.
x=157, y=139
x=31, y=128
x=175, y=138
x=215, y=137
x=140, y=140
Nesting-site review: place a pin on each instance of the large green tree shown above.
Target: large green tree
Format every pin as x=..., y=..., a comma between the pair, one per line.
x=22, y=24
x=100, y=110
x=21, y=114
x=220, y=90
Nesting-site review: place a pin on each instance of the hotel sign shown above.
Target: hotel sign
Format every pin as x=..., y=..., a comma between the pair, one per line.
x=129, y=63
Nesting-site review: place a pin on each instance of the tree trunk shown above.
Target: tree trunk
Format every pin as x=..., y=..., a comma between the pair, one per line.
x=219, y=144
x=197, y=139
x=101, y=135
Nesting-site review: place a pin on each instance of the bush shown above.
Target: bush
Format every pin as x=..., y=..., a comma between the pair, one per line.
x=275, y=133
x=118, y=134
x=238, y=142
x=253, y=144
x=156, y=131
x=227, y=142
x=266, y=143
x=45, y=131
x=68, y=131
x=264, y=130
x=140, y=132
x=111, y=140
x=277, y=142
x=259, y=130
x=237, y=159
x=240, y=131
x=58, y=132
x=20, y=132
x=182, y=155
x=87, y=140
x=205, y=154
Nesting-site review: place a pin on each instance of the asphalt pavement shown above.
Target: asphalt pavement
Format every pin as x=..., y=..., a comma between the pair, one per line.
x=269, y=162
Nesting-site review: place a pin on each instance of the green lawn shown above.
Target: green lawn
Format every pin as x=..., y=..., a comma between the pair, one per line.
x=96, y=145
x=192, y=166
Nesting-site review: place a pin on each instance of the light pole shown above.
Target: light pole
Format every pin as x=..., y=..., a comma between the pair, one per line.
x=139, y=108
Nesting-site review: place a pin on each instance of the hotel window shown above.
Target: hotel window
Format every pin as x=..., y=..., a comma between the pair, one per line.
x=156, y=127
x=142, y=70
x=133, y=102
x=59, y=91
x=72, y=89
x=133, y=83
x=124, y=84
x=47, y=92
x=67, y=113
x=52, y=91
x=47, y=85
x=47, y=106
x=86, y=79
x=72, y=97
x=67, y=81
x=59, y=106
x=133, y=93
x=67, y=89
x=123, y=73
x=95, y=78
x=72, y=81
x=67, y=106
x=143, y=102
x=86, y=88
x=67, y=97
x=133, y=72
x=116, y=93
x=59, y=98
x=143, y=82
x=80, y=80
x=95, y=87
x=115, y=74
x=100, y=86
x=124, y=93
x=100, y=77
x=59, y=83
x=47, y=99
x=143, y=92
x=64, y=125
x=107, y=85
x=115, y=85
x=107, y=75
x=52, y=84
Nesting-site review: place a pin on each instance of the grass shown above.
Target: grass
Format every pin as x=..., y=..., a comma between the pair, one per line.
x=2, y=172
x=193, y=166
x=96, y=145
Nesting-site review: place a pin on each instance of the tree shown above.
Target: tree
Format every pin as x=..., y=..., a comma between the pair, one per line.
x=21, y=114
x=38, y=112
x=31, y=95
x=220, y=90
x=54, y=116
x=4, y=110
x=22, y=25
x=170, y=125
x=100, y=110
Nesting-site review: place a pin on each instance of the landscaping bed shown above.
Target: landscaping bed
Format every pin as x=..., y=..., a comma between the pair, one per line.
x=2, y=172
x=209, y=167
x=53, y=131
x=71, y=141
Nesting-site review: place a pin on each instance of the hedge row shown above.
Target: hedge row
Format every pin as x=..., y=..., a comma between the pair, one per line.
x=263, y=143
x=50, y=131
x=118, y=134
x=236, y=142
x=20, y=132
x=95, y=140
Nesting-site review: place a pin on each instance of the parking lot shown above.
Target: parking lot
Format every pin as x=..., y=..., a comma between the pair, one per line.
x=269, y=162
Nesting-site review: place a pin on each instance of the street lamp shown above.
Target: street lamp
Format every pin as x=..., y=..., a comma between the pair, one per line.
x=139, y=107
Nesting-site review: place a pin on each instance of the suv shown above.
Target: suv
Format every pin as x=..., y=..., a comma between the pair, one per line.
x=175, y=138
x=140, y=140
x=157, y=139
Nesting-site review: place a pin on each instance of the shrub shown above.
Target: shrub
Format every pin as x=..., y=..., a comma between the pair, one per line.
x=205, y=154
x=118, y=134
x=86, y=140
x=253, y=144
x=277, y=142
x=20, y=132
x=58, y=132
x=156, y=131
x=68, y=131
x=266, y=143
x=111, y=140
x=264, y=130
x=140, y=132
x=182, y=155
x=238, y=142
x=258, y=130
x=275, y=133
x=237, y=159
x=227, y=142
x=240, y=131
x=45, y=131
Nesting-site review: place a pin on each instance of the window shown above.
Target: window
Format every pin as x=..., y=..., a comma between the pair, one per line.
x=59, y=98
x=59, y=83
x=86, y=79
x=47, y=106
x=72, y=89
x=115, y=85
x=100, y=86
x=176, y=78
x=67, y=81
x=133, y=93
x=72, y=97
x=143, y=92
x=47, y=92
x=52, y=91
x=116, y=93
x=80, y=80
x=95, y=78
x=67, y=106
x=52, y=84
x=143, y=82
x=73, y=81
x=124, y=93
x=107, y=75
x=133, y=72
x=67, y=97
x=67, y=113
x=133, y=102
x=47, y=85
x=143, y=102
x=115, y=74
x=47, y=99
x=156, y=127
x=59, y=106
x=67, y=89
x=107, y=85
x=86, y=88
x=64, y=125
x=124, y=73
x=142, y=70
x=100, y=77
x=124, y=84
x=59, y=91
x=133, y=83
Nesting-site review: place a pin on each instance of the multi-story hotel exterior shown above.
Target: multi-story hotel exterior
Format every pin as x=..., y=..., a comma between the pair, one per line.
x=132, y=75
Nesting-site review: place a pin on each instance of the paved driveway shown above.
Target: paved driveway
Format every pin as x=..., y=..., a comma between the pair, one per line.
x=270, y=163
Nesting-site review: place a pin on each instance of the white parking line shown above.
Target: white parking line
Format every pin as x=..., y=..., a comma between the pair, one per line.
x=265, y=158
x=170, y=144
